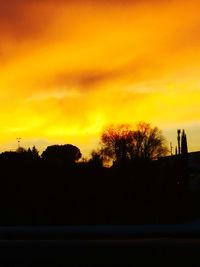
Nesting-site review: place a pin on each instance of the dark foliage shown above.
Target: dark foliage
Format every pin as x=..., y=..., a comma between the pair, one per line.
x=67, y=154
x=58, y=189
x=33, y=192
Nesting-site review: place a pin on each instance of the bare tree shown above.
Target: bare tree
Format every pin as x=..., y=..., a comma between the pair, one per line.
x=117, y=142
x=121, y=143
x=149, y=142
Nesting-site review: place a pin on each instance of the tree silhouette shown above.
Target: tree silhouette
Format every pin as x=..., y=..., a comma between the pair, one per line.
x=96, y=159
x=121, y=143
x=149, y=142
x=21, y=149
x=117, y=143
x=184, y=148
x=184, y=174
x=62, y=153
x=35, y=152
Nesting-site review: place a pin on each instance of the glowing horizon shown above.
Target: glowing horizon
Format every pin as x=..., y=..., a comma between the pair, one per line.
x=69, y=68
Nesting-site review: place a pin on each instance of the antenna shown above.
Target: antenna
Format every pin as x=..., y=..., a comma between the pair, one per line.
x=18, y=141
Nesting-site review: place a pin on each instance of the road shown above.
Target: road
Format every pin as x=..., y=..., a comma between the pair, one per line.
x=101, y=245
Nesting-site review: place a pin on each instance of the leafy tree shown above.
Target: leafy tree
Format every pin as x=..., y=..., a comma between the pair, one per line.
x=63, y=153
x=20, y=150
x=35, y=152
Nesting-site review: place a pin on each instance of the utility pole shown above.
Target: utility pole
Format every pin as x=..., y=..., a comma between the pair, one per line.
x=179, y=141
x=171, y=148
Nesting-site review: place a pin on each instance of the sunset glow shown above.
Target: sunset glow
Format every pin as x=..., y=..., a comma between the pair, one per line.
x=69, y=68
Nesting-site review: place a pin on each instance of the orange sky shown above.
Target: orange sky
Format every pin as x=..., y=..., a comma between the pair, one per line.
x=68, y=68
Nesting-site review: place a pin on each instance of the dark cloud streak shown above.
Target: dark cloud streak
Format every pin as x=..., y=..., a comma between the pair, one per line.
x=89, y=79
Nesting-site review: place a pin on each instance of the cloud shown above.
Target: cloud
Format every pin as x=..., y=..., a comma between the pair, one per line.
x=21, y=19
x=17, y=21
x=58, y=94
x=135, y=71
x=83, y=80
x=70, y=67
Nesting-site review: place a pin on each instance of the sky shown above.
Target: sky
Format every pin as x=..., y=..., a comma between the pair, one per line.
x=68, y=68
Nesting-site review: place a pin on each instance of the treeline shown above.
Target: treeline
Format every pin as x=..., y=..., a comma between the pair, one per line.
x=121, y=183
